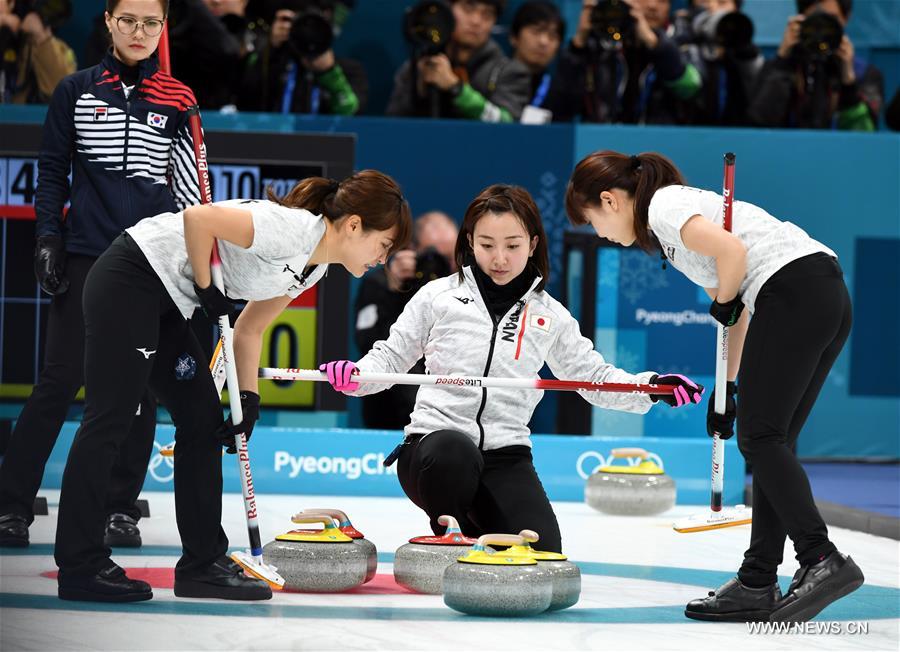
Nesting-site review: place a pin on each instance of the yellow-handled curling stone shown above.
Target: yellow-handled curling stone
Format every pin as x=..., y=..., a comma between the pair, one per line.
x=642, y=489
x=565, y=575
x=489, y=583
x=419, y=565
x=321, y=561
x=358, y=539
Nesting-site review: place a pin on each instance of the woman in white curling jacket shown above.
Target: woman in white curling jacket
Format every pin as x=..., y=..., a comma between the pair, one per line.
x=467, y=451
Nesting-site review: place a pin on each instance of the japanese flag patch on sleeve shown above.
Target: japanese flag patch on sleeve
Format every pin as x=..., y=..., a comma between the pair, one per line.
x=540, y=322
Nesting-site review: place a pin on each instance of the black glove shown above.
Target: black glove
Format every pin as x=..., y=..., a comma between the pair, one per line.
x=227, y=431
x=728, y=313
x=213, y=302
x=688, y=392
x=50, y=264
x=722, y=423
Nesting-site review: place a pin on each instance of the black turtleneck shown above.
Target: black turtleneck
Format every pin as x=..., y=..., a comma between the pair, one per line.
x=500, y=298
x=128, y=74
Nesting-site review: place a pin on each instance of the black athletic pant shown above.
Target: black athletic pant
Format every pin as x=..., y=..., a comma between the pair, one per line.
x=802, y=320
x=486, y=491
x=37, y=427
x=134, y=334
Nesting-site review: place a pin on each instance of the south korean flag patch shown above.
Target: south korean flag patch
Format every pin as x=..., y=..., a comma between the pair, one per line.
x=540, y=322
x=157, y=120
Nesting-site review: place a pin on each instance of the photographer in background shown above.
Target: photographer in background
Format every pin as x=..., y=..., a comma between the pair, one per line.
x=383, y=295
x=816, y=81
x=718, y=41
x=622, y=65
x=296, y=71
x=536, y=31
x=33, y=61
x=456, y=69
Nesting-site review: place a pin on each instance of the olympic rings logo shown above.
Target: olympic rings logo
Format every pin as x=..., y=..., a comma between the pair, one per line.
x=607, y=461
x=161, y=468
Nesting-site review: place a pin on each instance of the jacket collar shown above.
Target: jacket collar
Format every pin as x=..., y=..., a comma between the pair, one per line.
x=486, y=52
x=146, y=68
x=472, y=284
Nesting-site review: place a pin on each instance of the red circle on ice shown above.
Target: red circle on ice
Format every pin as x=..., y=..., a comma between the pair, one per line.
x=540, y=321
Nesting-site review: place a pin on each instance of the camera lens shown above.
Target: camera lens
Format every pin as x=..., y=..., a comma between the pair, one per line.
x=429, y=26
x=734, y=31
x=611, y=20
x=820, y=35
x=731, y=30
x=311, y=35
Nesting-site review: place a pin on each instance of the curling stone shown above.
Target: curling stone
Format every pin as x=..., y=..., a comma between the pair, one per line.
x=566, y=575
x=320, y=561
x=358, y=539
x=641, y=490
x=490, y=583
x=419, y=565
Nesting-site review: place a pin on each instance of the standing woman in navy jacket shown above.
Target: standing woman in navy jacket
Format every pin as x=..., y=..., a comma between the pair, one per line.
x=121, y=130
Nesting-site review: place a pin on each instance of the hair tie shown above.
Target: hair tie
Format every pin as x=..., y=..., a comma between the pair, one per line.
x=635, y=163
x=334, y=186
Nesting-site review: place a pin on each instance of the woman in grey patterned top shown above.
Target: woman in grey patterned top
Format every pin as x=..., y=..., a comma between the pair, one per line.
x=137, y=299
x=794, y=289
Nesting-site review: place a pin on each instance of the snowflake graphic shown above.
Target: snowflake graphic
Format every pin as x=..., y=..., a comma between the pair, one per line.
x=640, y=274
x=548, y=200
x=609, y=269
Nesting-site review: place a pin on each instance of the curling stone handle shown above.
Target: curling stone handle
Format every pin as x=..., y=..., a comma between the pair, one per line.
x=530, y=536
x=501, y=540
x=451, y=523
x=333, y=513
x=620, y=453
x=304, y=517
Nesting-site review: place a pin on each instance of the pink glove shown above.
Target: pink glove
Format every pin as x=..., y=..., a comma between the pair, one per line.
x=339, y=373
x=686, y=390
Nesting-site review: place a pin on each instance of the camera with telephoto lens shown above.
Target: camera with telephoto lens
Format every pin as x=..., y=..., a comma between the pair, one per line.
x=311, y=31
x=730, y=30
x=820, y=36
x=611, y=21
x=428, y=27
x=430, y=265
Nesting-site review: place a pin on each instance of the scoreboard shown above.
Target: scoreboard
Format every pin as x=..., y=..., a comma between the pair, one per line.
x=242, y=165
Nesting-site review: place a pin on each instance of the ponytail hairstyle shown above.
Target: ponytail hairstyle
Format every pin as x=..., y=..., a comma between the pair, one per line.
x=640, y=176
x=374, y=196
x=500, y=198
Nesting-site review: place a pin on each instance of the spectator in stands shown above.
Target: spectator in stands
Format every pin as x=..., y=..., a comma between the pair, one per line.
x=384, y=293
x=624, y=66
x=536, y=32
x=204, y=53
x=436, y=230
x=816, y=80
x=34, y=60
x=472, y=79
x=717, y=41
x=280, y=76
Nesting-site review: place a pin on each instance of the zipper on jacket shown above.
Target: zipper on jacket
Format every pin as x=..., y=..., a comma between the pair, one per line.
x=125, y=150
x=487, y=369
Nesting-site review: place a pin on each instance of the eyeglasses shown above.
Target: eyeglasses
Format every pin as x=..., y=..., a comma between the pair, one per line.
x=128, y=25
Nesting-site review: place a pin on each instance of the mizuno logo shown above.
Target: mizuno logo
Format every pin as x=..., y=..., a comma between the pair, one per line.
x=147, y=352
x=464, y=300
